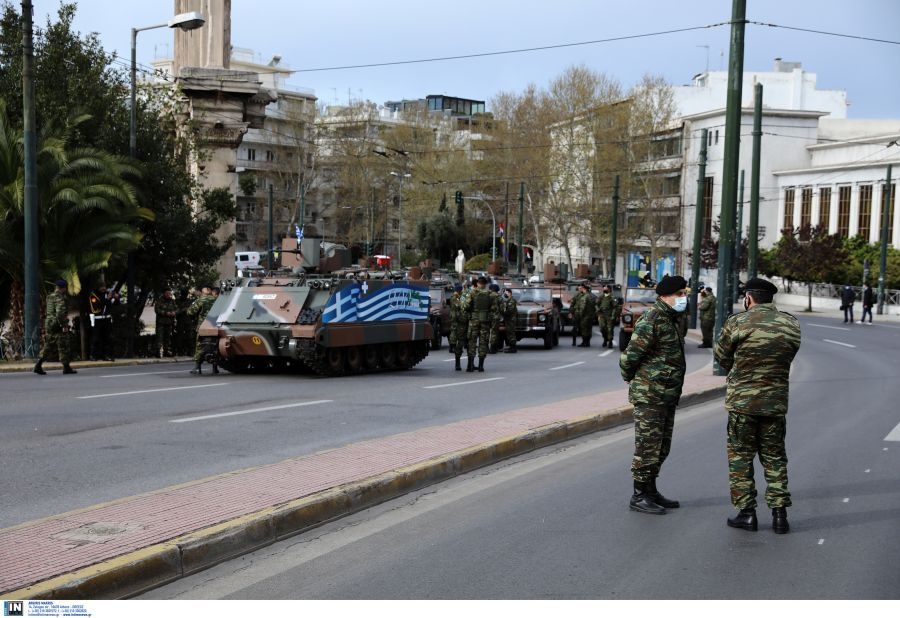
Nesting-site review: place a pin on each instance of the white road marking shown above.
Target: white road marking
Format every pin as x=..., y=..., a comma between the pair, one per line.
x=607, y=353
x=566, y=366
x=846, y=345
x=894, y=436
x=253, y=411
x=463, y=383
x=143, y=373
x=868, y=470
x=831, y=327
x=448, y=360
x=152, y=390
x=846, y=500
x=821, y=541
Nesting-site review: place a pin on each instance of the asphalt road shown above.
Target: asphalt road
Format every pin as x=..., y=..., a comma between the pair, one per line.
x=555, y=524
x=112, y=432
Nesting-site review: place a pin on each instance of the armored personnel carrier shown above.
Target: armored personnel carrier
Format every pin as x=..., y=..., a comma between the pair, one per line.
x=319, y=314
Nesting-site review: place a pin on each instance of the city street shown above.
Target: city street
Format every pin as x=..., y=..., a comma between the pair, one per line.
x=555, y=523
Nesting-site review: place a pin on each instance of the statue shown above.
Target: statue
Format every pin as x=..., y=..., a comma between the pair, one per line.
x=460, y=262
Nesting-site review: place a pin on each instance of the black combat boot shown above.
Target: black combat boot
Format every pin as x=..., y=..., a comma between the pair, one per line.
x=779, y=520
x=215, y=368
x=39, y=367
x=458, y=366
x=68, y=369
x=196, y=370
x=746, y=519
x=660, y=499
x=471, y=366
x=642, y=500
x=481, y=364
x=512, y=349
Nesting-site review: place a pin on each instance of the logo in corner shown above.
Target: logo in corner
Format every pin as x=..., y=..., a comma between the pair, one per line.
x=13, y=608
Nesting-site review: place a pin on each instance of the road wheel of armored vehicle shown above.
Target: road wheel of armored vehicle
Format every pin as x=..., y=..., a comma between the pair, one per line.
x=334, y=360
x=387, y=356
x=355, y=360
x=234, y=365
x=405, y=356
x=371, y=356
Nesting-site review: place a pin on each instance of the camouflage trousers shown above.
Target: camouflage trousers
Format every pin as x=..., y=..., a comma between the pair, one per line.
x=653, y=427
x=58, y=342
x=479, y=337
x=586, y=329
x=748, y=436
x=706, y=328
x=508, y=336
x=607, y=326
x=164, y=337
x=459, y=336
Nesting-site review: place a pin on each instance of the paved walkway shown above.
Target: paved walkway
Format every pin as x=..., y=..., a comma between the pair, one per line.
x=121, y=548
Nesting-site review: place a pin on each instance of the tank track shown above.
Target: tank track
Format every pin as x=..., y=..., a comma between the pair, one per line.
x=355, y=360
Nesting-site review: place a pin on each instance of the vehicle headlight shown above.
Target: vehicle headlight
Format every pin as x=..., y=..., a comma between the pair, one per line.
x=626, y=319
x=542, y=317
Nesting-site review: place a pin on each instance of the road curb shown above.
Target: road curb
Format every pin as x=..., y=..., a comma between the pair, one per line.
x=144, y=569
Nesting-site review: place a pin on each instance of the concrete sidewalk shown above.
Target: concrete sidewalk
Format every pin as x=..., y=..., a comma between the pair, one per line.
x=127, y=546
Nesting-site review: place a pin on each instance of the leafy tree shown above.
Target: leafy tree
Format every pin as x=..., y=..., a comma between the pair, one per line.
x=810, y=255
x=439, y=237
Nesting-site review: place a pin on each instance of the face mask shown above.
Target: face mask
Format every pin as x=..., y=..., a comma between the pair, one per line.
x=680, y=304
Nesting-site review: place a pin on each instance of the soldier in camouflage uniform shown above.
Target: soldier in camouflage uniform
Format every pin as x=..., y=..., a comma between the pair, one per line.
x=198, y=310
x=757, y=347
x=653, y=366
x=494, y=343
x=707, y=310
x=459, y=324
x=587, y=315
x=509, y=312
x=56, y=329
x=606, y=316
x=165, y=309
x=574, y=306
x=483, y=310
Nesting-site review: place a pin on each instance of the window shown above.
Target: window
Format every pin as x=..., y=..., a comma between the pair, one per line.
x=806, y=208
x=251, y=154
x=824, y=207
x=270, y=156
x=717, y=136
x=707, y=206
x=890, y=207
x=865, y=212
x=788, y=209
x=843, y=223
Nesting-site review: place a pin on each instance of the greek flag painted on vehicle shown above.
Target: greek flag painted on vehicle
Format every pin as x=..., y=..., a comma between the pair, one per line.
x=353, y=303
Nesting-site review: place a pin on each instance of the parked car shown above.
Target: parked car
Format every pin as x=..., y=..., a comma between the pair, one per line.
x=537, y=315
x=636, y=302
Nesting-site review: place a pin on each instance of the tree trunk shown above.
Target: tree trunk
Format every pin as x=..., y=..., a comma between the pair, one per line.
x=809, y=287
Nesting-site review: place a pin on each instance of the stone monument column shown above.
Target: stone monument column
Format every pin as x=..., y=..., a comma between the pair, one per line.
x=219, y=104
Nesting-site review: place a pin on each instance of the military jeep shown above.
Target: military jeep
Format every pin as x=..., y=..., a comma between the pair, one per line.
x=537, y=315
x=636, y=302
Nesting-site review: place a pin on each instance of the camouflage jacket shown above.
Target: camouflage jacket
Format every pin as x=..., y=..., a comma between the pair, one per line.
x=707, y=308
x=457, y=315
x=606, y=306
x=482, y=305
x=508, y=309
x=653, y=363
x=163, y=307
x=757, y=347
x=200, y=307
x=57, y=315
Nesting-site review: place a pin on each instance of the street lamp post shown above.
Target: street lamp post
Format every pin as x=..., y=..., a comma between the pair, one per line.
x=185, y=21
x=400, y=215
x=493, y=223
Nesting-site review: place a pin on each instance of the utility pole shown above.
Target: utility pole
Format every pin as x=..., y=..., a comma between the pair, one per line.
x=886, y=203
x=739, y=223
x=724, y=302
x=614, y=231
x=753, y=230
x=32, y=276
x=520, y=250
x=271, y=232
x=698, y=227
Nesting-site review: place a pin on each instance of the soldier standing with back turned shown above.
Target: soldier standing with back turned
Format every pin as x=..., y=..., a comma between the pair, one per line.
x=757, y=347
x=653, y=366
x=482, y=307
x=606, y=314
x=707, y=310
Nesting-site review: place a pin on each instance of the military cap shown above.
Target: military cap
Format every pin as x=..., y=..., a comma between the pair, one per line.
x=61, y=283
x=760, y=285
x=494, y=287
x=457, y=287
x=482, y=279
x=670, y=285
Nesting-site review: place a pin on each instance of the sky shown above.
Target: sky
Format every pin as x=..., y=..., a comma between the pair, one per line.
x=319, y=39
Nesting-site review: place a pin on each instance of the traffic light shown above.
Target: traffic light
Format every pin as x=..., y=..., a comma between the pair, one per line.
x=460, y=216
x=458, y=198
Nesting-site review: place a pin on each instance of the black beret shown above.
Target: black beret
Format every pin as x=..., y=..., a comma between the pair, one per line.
x=62, y=283
x=670, y=285
x=482, y=279
x=760, y=285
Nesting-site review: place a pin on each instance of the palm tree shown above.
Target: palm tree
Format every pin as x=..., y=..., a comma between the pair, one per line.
x=88, y=211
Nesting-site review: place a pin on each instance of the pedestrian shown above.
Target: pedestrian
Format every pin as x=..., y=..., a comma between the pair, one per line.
x=101, y=302
x=198, y=310
x=707, y=310
x=868, y=299
x=606, y=315
x=166, y=309
x=56, y=329
x=509, y=311
x=847, y=298
x=653, y=366
x=587, y=310
x=483, y=310
x=756, y=348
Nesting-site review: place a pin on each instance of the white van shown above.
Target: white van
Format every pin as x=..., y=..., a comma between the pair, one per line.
x=246, y=260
